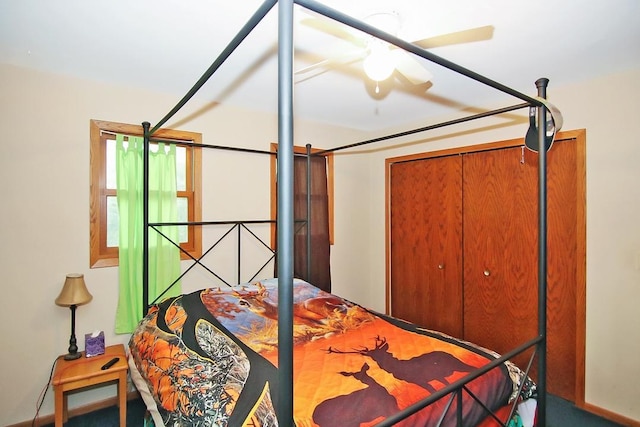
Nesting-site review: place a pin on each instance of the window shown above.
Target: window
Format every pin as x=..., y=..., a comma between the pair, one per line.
x=103, y=230
x=274, y=184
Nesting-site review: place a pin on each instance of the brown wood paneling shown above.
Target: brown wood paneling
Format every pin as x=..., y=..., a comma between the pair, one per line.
x=426, y=282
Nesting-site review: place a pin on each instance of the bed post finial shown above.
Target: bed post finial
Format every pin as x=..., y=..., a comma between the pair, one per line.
x=542, y=84
x=553, y=116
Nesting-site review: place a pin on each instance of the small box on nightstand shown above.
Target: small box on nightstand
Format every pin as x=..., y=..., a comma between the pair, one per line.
x=94, y=344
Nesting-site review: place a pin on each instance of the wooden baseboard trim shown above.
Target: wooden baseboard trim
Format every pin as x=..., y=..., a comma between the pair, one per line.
x=612, y=416
x=81, y=410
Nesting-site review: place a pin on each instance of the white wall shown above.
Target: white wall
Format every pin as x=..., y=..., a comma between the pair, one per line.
x=44, y=211
x=607, y=109
x=45, y=217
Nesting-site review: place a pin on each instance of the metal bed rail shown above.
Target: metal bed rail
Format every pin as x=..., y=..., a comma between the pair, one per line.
x=456, y=388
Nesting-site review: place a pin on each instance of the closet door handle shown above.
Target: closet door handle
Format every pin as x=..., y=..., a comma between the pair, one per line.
x=487, y=273
x=440, y=266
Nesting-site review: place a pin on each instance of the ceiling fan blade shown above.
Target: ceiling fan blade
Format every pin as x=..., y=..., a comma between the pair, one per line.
x=412, y=67
x=458, y=37
x=334, y=29
x=342, y=59
x=309, y=68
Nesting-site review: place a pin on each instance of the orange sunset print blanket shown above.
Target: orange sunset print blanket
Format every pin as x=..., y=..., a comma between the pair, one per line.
x=210, y=358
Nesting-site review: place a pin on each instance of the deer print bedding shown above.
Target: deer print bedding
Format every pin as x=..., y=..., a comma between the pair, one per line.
x=209, y=358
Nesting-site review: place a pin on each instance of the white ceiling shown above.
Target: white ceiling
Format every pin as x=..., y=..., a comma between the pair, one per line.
x=166, y=45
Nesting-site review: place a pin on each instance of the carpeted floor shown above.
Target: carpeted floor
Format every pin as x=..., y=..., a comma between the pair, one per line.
x=109, y=417
x=560, y=414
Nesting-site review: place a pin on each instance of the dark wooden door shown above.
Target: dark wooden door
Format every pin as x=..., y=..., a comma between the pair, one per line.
x=426, y=242
x=500, y=227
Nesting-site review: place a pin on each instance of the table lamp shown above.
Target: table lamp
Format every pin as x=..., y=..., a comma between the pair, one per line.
x=74, y=293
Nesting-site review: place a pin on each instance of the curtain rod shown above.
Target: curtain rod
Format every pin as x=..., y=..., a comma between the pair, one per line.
x=170, y=141
x=190, y=143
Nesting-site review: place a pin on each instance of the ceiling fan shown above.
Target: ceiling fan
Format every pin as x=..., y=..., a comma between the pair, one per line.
x=379, y=59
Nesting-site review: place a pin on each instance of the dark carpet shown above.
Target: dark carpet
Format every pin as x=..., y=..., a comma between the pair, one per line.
x=109, y=417
x=560, y=413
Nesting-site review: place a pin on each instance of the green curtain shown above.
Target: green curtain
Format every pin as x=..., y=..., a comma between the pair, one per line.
x=164, y=257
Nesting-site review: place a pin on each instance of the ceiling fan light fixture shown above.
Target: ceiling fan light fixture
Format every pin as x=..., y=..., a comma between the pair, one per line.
x=380, y=63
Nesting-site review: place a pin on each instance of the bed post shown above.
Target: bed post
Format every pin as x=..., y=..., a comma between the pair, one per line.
x=541, y=84
x=145, y=216
x=285, y=220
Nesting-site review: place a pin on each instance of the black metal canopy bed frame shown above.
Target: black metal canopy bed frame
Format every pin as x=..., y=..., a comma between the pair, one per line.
x=539, y=119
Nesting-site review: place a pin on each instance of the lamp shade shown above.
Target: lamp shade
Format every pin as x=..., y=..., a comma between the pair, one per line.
x=74, y=291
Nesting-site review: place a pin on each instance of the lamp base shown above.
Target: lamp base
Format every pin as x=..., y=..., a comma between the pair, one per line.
x=72, y=356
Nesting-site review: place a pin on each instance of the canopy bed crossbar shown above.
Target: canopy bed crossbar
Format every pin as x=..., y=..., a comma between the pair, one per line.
x=426, y=128
x=257, y=17
x=285, y=220
x=238, y=227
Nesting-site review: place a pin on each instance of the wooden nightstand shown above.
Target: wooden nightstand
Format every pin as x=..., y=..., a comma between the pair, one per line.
x=84, y=372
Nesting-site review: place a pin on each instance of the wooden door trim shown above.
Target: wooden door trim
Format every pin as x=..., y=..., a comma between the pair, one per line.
x=581, y=261
x=581, y=252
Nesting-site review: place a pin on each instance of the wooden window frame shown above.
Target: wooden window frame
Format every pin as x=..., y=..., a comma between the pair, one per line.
x=100, y=255
x=274, y=186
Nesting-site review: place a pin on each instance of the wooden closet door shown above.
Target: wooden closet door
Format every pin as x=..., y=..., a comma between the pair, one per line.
x=500, y=202
x=500, y=241
x=426, y=242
